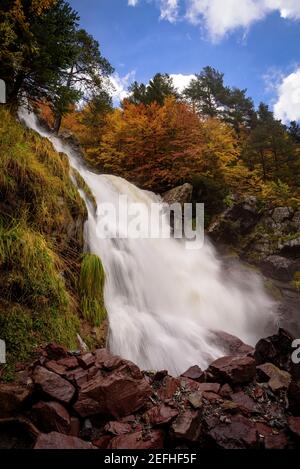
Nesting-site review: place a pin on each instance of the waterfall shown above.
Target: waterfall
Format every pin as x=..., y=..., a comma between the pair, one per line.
x=165, y=301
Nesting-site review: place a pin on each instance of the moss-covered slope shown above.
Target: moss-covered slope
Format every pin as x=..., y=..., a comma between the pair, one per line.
x=41, y=243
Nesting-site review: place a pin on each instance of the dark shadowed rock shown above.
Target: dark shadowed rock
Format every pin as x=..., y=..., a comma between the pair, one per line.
x=279, y=441
x=17, y=433
x=103, y=442
x=277, y=349
x=187, y=426
x=52, y=416
x=55, y=351
x=233, y=369
x=12, y=396
x=159, y=415
x=74, y=426
x=53, y=385
x=238, y=433
x=294, y=398
x=278, y=268
x=56, y=440
x=294, y=426
x=154, y=440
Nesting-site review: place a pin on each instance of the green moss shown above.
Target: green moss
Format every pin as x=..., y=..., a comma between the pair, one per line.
x=92, y=280
x=296, y=281
x=84, y=187
x=39, y=259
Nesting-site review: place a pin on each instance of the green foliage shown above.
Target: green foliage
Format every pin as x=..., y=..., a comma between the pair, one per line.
x=159, y=88
x=92, y=279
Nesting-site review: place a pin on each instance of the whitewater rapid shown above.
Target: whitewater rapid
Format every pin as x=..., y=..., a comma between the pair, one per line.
x=164, y=301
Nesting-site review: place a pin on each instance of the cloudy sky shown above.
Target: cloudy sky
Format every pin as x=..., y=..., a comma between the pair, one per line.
x=254, y=42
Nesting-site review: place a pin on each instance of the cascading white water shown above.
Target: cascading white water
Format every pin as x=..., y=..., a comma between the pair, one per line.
x=164, y=301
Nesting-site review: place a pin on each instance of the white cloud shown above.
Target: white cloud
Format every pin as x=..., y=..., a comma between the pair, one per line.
x=120, y=85
x=181, y=81
x=169, y=10
x=220, y=17
x=287, y=107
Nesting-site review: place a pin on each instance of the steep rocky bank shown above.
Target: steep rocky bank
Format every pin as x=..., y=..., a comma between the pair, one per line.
x=248, y=399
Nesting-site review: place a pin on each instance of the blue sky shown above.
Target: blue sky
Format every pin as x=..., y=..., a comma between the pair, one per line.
x=254, y=42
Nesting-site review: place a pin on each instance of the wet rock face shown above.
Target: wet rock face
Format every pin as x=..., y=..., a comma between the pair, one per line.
x=98, y=400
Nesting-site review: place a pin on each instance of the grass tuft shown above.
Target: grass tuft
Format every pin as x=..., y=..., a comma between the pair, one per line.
x=92, y=279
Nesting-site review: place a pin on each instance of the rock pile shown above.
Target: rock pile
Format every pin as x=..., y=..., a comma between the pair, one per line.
x=249, y=399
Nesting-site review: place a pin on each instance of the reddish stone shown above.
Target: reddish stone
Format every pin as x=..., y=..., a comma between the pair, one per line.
x=279, y=441
x=294, y=425
x=55, y=367
x=12, y=396
x=277, y=379
x=194, y=372
x=209, y=387
x=74, y=426
x=55, y=351
x=155, y=440
x=117, y=394
x=78, y=376
x=232, y=344
x=53, y=385
x=240, y=433
x=103, y=442
x=160, y=375
x=226, y=391
x=212, y=397
x=169, y=387
x=160, y=415
x=69, y=363
x=187, y=426
x=87, y=360
x=56, y=440
x=117, y=428
x=52, y=416
x=234, y=370
x=245, y=402
x=102, y=355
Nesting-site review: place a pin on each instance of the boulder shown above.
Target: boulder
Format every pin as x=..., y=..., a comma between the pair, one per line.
x=232, y=344
x=12, y=396
x=56, y=441
x=246, y=404
x=233, y=369
x=52, y=416
x=187, y=426
x=238, y=433
x=68, y=363
x=116, y=394
x=53, y=385
x=277, y=379
x=195, y=373
x=181, y=194
x=278, y=268
x=87, y=360
x=276, y=349
x=154, y=440
x=168, y=388
x=276, y=441
x=290, y=247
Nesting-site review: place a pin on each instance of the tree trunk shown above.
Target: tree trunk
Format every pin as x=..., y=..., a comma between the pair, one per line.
x=57, y=124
